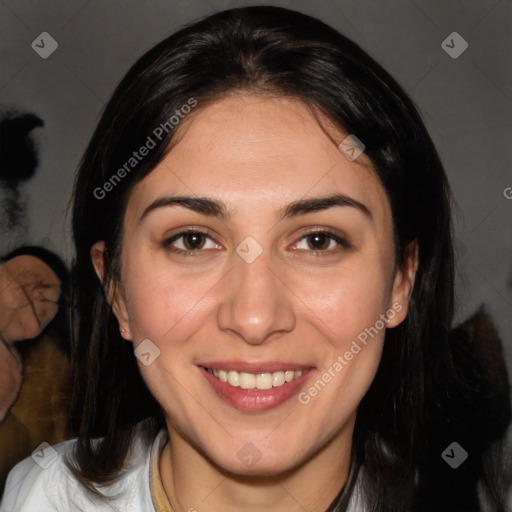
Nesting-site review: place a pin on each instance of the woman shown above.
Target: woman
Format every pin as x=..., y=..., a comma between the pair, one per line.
x=225, y=358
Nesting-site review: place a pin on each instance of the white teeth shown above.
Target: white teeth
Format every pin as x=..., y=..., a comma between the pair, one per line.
x=264, y=381
x=278, y=379
x=259, y=381
x=233, y=379
x=247, y=380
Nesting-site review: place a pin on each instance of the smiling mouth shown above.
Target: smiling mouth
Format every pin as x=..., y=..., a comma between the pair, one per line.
x=254, y=382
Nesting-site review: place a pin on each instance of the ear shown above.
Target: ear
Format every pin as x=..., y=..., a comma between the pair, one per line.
x=403, y=285
x=114, y=294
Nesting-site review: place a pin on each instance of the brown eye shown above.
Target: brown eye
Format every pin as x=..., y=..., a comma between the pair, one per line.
x=189, y=243
x=193, y=240
x=322, y=243
x=319, y=241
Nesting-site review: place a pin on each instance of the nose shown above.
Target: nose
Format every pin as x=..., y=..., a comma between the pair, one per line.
x=256, y=304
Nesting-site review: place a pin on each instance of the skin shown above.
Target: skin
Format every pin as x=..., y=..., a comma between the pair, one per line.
x=29, y=294
x=257, y=154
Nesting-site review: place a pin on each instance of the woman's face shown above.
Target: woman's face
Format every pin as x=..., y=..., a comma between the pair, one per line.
x=258, y=297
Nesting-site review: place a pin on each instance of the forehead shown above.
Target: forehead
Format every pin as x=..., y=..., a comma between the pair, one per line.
x=257, y=153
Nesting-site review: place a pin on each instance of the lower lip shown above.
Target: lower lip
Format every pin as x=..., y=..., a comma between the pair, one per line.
x=255, y=401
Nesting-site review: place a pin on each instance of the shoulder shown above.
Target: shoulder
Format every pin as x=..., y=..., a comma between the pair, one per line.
x=42, y=480
x=44, y=483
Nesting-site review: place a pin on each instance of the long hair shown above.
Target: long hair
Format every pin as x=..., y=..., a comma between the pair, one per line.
x=424, y=396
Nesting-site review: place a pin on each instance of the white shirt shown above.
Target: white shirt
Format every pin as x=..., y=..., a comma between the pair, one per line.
x=43, y=483
x=31, y=487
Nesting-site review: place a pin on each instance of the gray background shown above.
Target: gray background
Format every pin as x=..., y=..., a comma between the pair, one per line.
x=466, y=103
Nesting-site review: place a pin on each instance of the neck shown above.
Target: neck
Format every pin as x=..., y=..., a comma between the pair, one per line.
x=194, y=482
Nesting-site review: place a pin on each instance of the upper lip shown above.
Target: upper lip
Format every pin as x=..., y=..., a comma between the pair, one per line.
x=255, y=368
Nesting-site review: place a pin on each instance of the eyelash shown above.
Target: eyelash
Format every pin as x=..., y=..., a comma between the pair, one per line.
x=196, y=252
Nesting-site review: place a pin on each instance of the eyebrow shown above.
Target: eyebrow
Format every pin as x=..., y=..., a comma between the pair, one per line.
x=215, y=208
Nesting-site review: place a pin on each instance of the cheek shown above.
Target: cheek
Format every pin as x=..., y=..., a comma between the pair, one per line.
x=165, y=306
x=347, y=301
x=350, y=304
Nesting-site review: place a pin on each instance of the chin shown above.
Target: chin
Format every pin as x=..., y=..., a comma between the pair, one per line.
x=272, y=467
x=251, y=461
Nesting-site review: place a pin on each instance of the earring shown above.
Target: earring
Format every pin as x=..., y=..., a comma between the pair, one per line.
x=122, y=330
